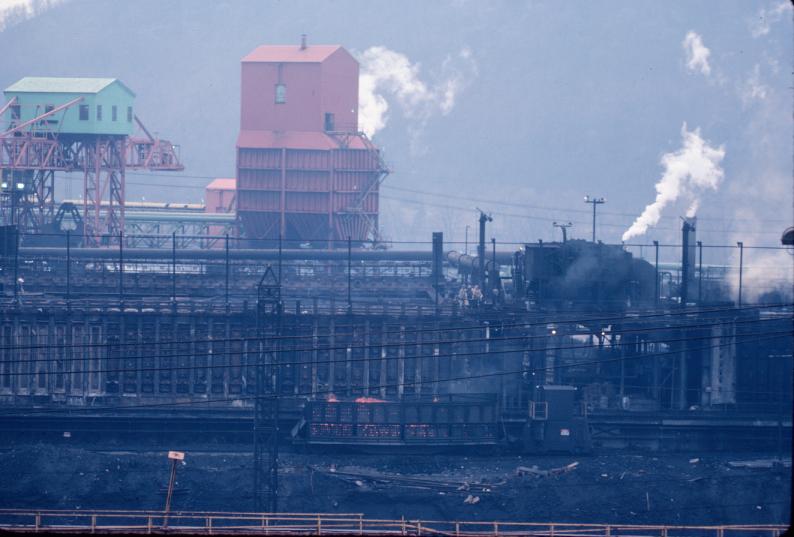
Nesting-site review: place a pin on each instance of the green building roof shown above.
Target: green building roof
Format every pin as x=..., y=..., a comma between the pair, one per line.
x=37, y=84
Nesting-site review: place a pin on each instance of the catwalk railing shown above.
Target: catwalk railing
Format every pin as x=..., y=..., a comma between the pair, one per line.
x=224, y=523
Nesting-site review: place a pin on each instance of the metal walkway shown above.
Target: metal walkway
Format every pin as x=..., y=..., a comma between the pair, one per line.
x=224, y=523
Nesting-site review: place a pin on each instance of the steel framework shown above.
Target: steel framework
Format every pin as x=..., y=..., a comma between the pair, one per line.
x=266, y=405
x=354, y=220
x=31, y=152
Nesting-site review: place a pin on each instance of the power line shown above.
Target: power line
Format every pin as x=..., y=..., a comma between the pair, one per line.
x=533, y=371
x=502, y=203
x=578, y=222
x=378, y=359
x=448, y=195
x=338, y=330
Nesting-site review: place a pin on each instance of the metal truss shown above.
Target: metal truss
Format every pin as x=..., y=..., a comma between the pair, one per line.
x=354, y=221
x=189, y=234
x=268, y=387
x=31, y=153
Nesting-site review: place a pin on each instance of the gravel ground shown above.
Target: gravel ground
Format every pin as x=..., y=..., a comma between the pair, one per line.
x=606, y=488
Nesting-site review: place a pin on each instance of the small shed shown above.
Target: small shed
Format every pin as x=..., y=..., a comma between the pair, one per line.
x=220, y=195
x=106, y=107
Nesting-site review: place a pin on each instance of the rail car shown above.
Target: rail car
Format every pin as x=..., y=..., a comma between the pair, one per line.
x=554, y=422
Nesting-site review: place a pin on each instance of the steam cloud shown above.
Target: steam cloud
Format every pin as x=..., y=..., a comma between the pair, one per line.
x=697, y=55
x=767, y=17
x=14, y=11
x=754, y=89
x=386, y=74
x=687, y=172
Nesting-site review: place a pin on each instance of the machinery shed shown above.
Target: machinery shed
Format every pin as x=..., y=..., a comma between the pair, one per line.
x=105, y=105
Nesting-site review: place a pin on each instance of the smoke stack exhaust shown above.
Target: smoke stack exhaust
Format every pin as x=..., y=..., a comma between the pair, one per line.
x=303, y=41
x=688, y=245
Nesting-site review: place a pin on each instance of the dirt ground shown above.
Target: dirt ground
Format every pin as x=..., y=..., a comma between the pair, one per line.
x=605, y=488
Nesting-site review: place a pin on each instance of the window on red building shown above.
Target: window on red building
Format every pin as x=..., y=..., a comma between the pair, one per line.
x=281, y=94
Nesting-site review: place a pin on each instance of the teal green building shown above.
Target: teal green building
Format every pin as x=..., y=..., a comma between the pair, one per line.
x=106, y=107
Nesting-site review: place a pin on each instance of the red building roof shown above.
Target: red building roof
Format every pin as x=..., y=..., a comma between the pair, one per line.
x=294, y=140
x=223, y=183
x=290, y=53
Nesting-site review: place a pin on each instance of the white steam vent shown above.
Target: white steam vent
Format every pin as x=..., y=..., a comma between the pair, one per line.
x=688, y=172
x=388, y=75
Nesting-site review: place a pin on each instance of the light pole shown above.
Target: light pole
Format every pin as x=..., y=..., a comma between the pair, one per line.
x=466, y=250
x=564, y=228
x=594, y=202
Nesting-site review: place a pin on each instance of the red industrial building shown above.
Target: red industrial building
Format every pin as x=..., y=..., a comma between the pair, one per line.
x=304, y=171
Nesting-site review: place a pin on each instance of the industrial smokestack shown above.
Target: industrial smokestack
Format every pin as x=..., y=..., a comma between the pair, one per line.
x=303, y=41
x=688, y=245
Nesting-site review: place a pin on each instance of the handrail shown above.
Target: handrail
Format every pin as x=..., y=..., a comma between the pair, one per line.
x=223, y=522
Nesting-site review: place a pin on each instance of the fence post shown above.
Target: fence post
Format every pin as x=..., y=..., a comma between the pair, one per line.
x=93, y=523
x=319, y=525
x=38, y=521
x=149, y=524
x=209, y=525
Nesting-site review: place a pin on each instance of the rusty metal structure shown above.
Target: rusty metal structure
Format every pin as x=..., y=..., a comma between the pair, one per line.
x=39, y=140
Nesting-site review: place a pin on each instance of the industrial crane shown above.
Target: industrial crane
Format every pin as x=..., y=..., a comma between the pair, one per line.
x=32, y=150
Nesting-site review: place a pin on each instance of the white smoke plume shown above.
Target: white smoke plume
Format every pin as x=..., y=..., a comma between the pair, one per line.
x=753, y=88
x=687, y=172
x=15, y=11
x=697, y=54
x=388, y=76
x=766, y=17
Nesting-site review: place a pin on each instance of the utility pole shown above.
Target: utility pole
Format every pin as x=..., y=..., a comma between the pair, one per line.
x=594, y=202
x=174, y=457
x=564, y=228
x=16, y=265
x=227, y=273
x=492, y=274
x=700, y=272
x=269, y=310
x=68, y=270
x=740, y=244
x=466, y=243
x=481, y=246
x=656, y=286
x=173, y=270
x=349, y=275
x=121, y=270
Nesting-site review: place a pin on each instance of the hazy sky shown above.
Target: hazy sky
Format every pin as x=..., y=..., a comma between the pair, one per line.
x=523, y=107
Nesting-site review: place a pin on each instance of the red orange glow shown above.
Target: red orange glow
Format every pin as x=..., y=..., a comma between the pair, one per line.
x=369, y=400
